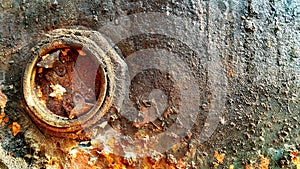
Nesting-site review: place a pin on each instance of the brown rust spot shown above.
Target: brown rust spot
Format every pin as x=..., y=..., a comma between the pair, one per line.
x=68, y=88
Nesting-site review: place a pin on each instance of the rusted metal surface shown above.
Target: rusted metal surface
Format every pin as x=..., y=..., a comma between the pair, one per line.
x=208, y=84
x=69, y=82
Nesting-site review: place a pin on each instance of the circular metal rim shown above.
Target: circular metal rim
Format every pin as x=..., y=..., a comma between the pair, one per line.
x=36, y=110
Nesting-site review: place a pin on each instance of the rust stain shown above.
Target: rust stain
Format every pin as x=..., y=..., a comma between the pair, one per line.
x=231, y=73
x=97, y=157
x=81, y=53
x=3, y=119
x=295, y=159
x=248, y=166
x=219, y=158
x=263, y=164
x=16, y=128
x=3, y=101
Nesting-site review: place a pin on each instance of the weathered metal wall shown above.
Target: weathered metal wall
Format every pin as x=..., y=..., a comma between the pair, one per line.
x=247, y=58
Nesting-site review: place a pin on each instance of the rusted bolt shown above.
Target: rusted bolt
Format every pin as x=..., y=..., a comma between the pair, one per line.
x=72, y=79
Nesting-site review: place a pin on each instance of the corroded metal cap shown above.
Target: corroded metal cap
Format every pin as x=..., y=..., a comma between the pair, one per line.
x=73, y=77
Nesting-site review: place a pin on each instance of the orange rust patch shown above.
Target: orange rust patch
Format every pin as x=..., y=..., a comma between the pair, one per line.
x=264, y=163
x=80, y=159
x=97, y=158
x=16, y=128
x=181, y=164
x=54, y=163
x=80, y=52
x=175, y=147
x=248, y=166
x=3, y=101
x=219, y=157
x=231, y=73
x=295, y=159
x=3, y=119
